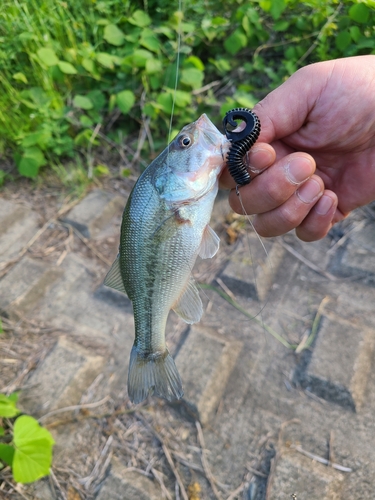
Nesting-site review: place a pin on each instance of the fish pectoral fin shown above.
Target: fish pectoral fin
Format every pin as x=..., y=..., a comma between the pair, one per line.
x=189, y=306
x=156, y=374
x=210, y=243
x=114, y=279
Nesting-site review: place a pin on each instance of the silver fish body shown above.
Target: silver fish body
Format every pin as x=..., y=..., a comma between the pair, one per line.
x=164, y=229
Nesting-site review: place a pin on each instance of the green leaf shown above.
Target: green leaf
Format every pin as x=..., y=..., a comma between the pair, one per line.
x=105, y=60
x=246, y=25
x=153, y=66
x=149, y=40
x=32, y=159
x=39, y=138
x=355, y=33
x=343, y=40
x=20, y=77
x=89, y=65
x=194, y=61
x=281, y=25
x=2, y=431
x=66, y=68
x=47, y=56
x=140, y=56
x=277, y=8
x=140, y=18
x=101, y=170
x=359, y=12
x=165, y=100
x=113, y=35
x=192, y=77
x=33, y=450
x=86, y=121
x=125, y=101
x=7, y=407
x=82, y=102
x=182, y=98
x=6, y=453
x=97, y=98
x=235, y=42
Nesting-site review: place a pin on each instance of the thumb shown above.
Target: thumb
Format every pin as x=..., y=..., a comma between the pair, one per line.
x=286, y=109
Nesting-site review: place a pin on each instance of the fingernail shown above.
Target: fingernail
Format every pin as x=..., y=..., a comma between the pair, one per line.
x=258, y=159
x=324, y=205
x=309, y=191
x=299, y=169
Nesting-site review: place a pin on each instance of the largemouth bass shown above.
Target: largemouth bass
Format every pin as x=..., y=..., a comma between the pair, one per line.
x=165, y=227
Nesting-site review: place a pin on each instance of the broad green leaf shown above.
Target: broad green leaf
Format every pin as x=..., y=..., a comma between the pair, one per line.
x=235, y=42
x=149, y=40
x=33, y=450
x=31, y=160
x=165, y=100
x=140, y=56
x=192, y=77
x=47, y=56
x=153, y=66
x=40, y=138
x=246, y=25
x=125, y=101
x=6, y=453
x=245, y=100
x=281, y=25
x=277, y=8
x=113, y=35
x=105, y=60
x=355, y=33
x=182, y=98
x=265, y=5
x=86, y=121
x=82, y=102
x=20, y=77
x=140, y=18
x=7, y=407
x=101, y=170
x=359, y=12
x=97, y=98
x=343, y=40
x=66, y=68
x=89, y=65
x=194, y=61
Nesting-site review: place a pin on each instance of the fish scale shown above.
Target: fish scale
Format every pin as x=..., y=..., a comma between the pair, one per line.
x=164, y=228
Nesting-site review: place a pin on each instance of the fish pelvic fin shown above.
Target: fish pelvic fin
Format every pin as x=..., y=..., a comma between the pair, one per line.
x=153, y=374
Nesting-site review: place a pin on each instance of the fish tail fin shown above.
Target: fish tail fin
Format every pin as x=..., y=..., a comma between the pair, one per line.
x=153, y=374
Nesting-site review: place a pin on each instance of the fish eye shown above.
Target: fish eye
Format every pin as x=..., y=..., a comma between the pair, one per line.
x=185, y=141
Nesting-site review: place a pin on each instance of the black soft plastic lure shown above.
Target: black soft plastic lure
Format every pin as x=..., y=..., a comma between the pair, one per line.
x=241, y=140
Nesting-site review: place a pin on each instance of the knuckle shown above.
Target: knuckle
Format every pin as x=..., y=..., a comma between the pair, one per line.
x=290, y=217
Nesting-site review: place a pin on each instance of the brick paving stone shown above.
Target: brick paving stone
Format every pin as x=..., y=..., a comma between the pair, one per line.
x=305, y=478
x=62, y=378
x=25, y=284
x=122, y=484
x=341, y=362
x=18, y=224
x=249, y=271
x=94, y=212
x=205, y=362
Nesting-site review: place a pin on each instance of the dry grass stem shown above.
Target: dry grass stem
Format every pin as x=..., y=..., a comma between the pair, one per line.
x=205, y=463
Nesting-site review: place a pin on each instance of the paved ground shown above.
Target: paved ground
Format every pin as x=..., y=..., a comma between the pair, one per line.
x=261, y=419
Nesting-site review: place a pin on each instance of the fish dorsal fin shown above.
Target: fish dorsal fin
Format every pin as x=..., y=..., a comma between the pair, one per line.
x=210, y=243
x=189, y=306
x=114, y=279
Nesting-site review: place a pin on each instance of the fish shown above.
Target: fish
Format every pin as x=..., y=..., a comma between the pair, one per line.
x=165, y=226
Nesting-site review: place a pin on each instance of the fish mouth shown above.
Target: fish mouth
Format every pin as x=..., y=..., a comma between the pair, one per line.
x=214, y=140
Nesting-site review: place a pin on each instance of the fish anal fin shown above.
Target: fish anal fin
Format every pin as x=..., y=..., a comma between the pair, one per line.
x=189, y=306
x=153, y=374
x=114, y=279
x=210, y=243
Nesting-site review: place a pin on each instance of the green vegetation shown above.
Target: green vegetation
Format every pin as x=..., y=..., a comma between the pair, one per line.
x=24, y=445
x=69, y=69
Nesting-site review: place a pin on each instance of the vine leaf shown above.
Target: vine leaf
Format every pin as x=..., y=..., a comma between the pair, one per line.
x=33, y=450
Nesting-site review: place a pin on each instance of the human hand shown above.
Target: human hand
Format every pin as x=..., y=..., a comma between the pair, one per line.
x=315, y=158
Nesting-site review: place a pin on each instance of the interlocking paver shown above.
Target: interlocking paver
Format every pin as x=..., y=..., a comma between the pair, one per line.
x=205, y=362
x=18, y=224
x=94, y=212
x=306, y=479
x=62, y=378
x=127, y=485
